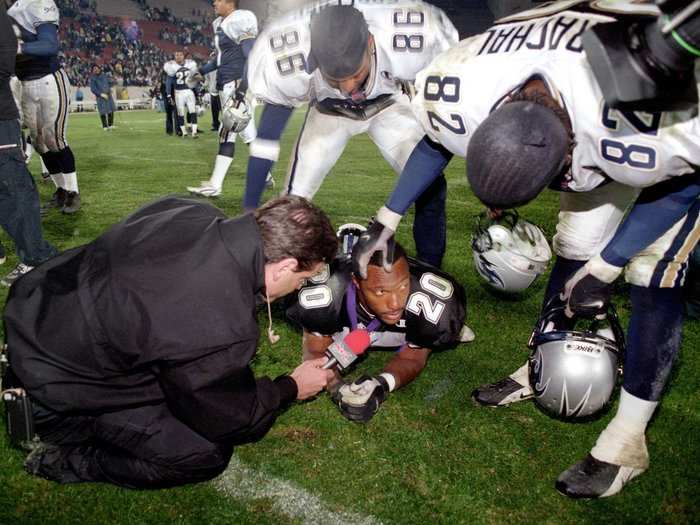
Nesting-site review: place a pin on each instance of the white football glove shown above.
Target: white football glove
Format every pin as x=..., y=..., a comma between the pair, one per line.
x=193, y=78
x=235, y=115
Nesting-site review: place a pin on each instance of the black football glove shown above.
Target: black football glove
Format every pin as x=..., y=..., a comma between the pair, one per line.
x=359, y=401
x=377, y=238
x=587, y=293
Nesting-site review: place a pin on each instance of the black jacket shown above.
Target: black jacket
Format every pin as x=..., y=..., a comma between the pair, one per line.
x=8, y=53
x=160, y=308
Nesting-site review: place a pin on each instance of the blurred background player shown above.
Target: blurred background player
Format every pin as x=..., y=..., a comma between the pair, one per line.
x=235, y=31
x=351, y=65
x=214, y=99
x=537, y=119
x=168, y=95
x=179, y=80
x=19, y=200
x=101, y=87
x=413, y=309
x=45, y=95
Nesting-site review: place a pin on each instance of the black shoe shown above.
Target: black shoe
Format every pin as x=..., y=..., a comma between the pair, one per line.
x=72, y=202
x=592, y=478
x=51, y=462
x=501, y=393
x=215, y=128
x=58, y=199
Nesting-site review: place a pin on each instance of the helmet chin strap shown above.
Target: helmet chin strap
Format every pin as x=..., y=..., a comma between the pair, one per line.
x=271, y=335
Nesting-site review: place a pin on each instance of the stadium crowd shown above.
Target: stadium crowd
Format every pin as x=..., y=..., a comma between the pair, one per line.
x=119, y=45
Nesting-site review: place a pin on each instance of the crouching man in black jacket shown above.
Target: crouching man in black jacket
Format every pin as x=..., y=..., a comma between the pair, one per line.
x=135, y=348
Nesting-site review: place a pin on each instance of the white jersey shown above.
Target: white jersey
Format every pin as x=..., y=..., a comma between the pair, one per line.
x=461, y=87
x=237, y=26
x=229, y=32
x=408, y=34
x=180, y=72
x=30, y=14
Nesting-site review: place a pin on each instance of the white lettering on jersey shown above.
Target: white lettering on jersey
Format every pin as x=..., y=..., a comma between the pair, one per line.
x=459, y=89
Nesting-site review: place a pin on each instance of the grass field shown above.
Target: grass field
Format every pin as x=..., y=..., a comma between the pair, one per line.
x=430, y=455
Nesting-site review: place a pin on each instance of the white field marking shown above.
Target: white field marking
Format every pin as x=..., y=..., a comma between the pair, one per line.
x=244, y=483
x=160, y=161
x=440, y=389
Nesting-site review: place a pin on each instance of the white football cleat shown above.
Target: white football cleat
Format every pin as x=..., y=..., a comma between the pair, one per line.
x=205, y=190
x=269, y=181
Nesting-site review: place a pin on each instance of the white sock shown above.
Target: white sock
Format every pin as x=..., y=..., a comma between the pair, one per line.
x=623, y=442
x=57, y=179
x=522, y=375
x=390, y=380
x=194, y=129
x=70, y=182
x=221, y=166
x=184, y=130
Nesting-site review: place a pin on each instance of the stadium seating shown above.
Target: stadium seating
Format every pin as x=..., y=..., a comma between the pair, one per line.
x=183, y=8
x=119, y=9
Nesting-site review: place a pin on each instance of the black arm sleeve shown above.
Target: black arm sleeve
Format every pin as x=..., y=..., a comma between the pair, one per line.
x=221, y=399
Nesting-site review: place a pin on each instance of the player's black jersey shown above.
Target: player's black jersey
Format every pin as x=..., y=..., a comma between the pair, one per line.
x=433, y=317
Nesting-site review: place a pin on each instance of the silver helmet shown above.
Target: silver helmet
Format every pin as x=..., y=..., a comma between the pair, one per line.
x=573, y=372
x=235, y=115
x=348, y=235
x=509, y=252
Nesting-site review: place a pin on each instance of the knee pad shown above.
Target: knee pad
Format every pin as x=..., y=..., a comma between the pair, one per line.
x=265, y=149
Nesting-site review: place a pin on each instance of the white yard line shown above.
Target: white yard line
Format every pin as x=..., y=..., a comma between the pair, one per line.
x=244, y=483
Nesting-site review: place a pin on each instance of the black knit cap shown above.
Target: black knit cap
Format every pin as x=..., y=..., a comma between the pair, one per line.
x=515, y=153
x=339, y=40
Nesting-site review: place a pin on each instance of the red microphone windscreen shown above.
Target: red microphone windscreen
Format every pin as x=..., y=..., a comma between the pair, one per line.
x=357, y=341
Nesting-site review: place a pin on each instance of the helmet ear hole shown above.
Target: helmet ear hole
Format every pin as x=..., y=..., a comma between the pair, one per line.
x=509, y=252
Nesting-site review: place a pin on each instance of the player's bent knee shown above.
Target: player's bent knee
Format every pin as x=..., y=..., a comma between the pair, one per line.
x=265, y=149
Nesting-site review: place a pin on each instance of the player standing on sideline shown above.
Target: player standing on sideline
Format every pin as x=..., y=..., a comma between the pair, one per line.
x=235, y=31
x=45, y=95
x=179, y=73
x=214, y=100
x=19, y=200
x=536, y=118
x=169, y=106
x=352, y=65
x=101, y=87
x=413, y=308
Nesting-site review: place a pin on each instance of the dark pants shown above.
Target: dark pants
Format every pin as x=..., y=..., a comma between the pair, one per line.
x=430, y=224
x=215, y=110
x=19, y=200
x=143, y=447
x=170, y=118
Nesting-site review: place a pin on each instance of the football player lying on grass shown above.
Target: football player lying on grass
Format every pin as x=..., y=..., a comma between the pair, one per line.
x=414, y=308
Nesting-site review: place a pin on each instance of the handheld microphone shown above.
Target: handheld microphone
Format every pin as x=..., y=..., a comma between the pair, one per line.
x=344, y=352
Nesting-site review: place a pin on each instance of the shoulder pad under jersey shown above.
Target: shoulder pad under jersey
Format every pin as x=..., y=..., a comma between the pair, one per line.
x=319, y=306
x=240, y=24
x=30, y=14
x=436, y=307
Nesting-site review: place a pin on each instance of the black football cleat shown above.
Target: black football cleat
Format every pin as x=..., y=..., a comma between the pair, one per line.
x=502, y=393
x=592, y=478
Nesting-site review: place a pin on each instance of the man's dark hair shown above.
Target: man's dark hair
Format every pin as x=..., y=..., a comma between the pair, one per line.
x=339, y=39
x=291, y=226
x=377, y=259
